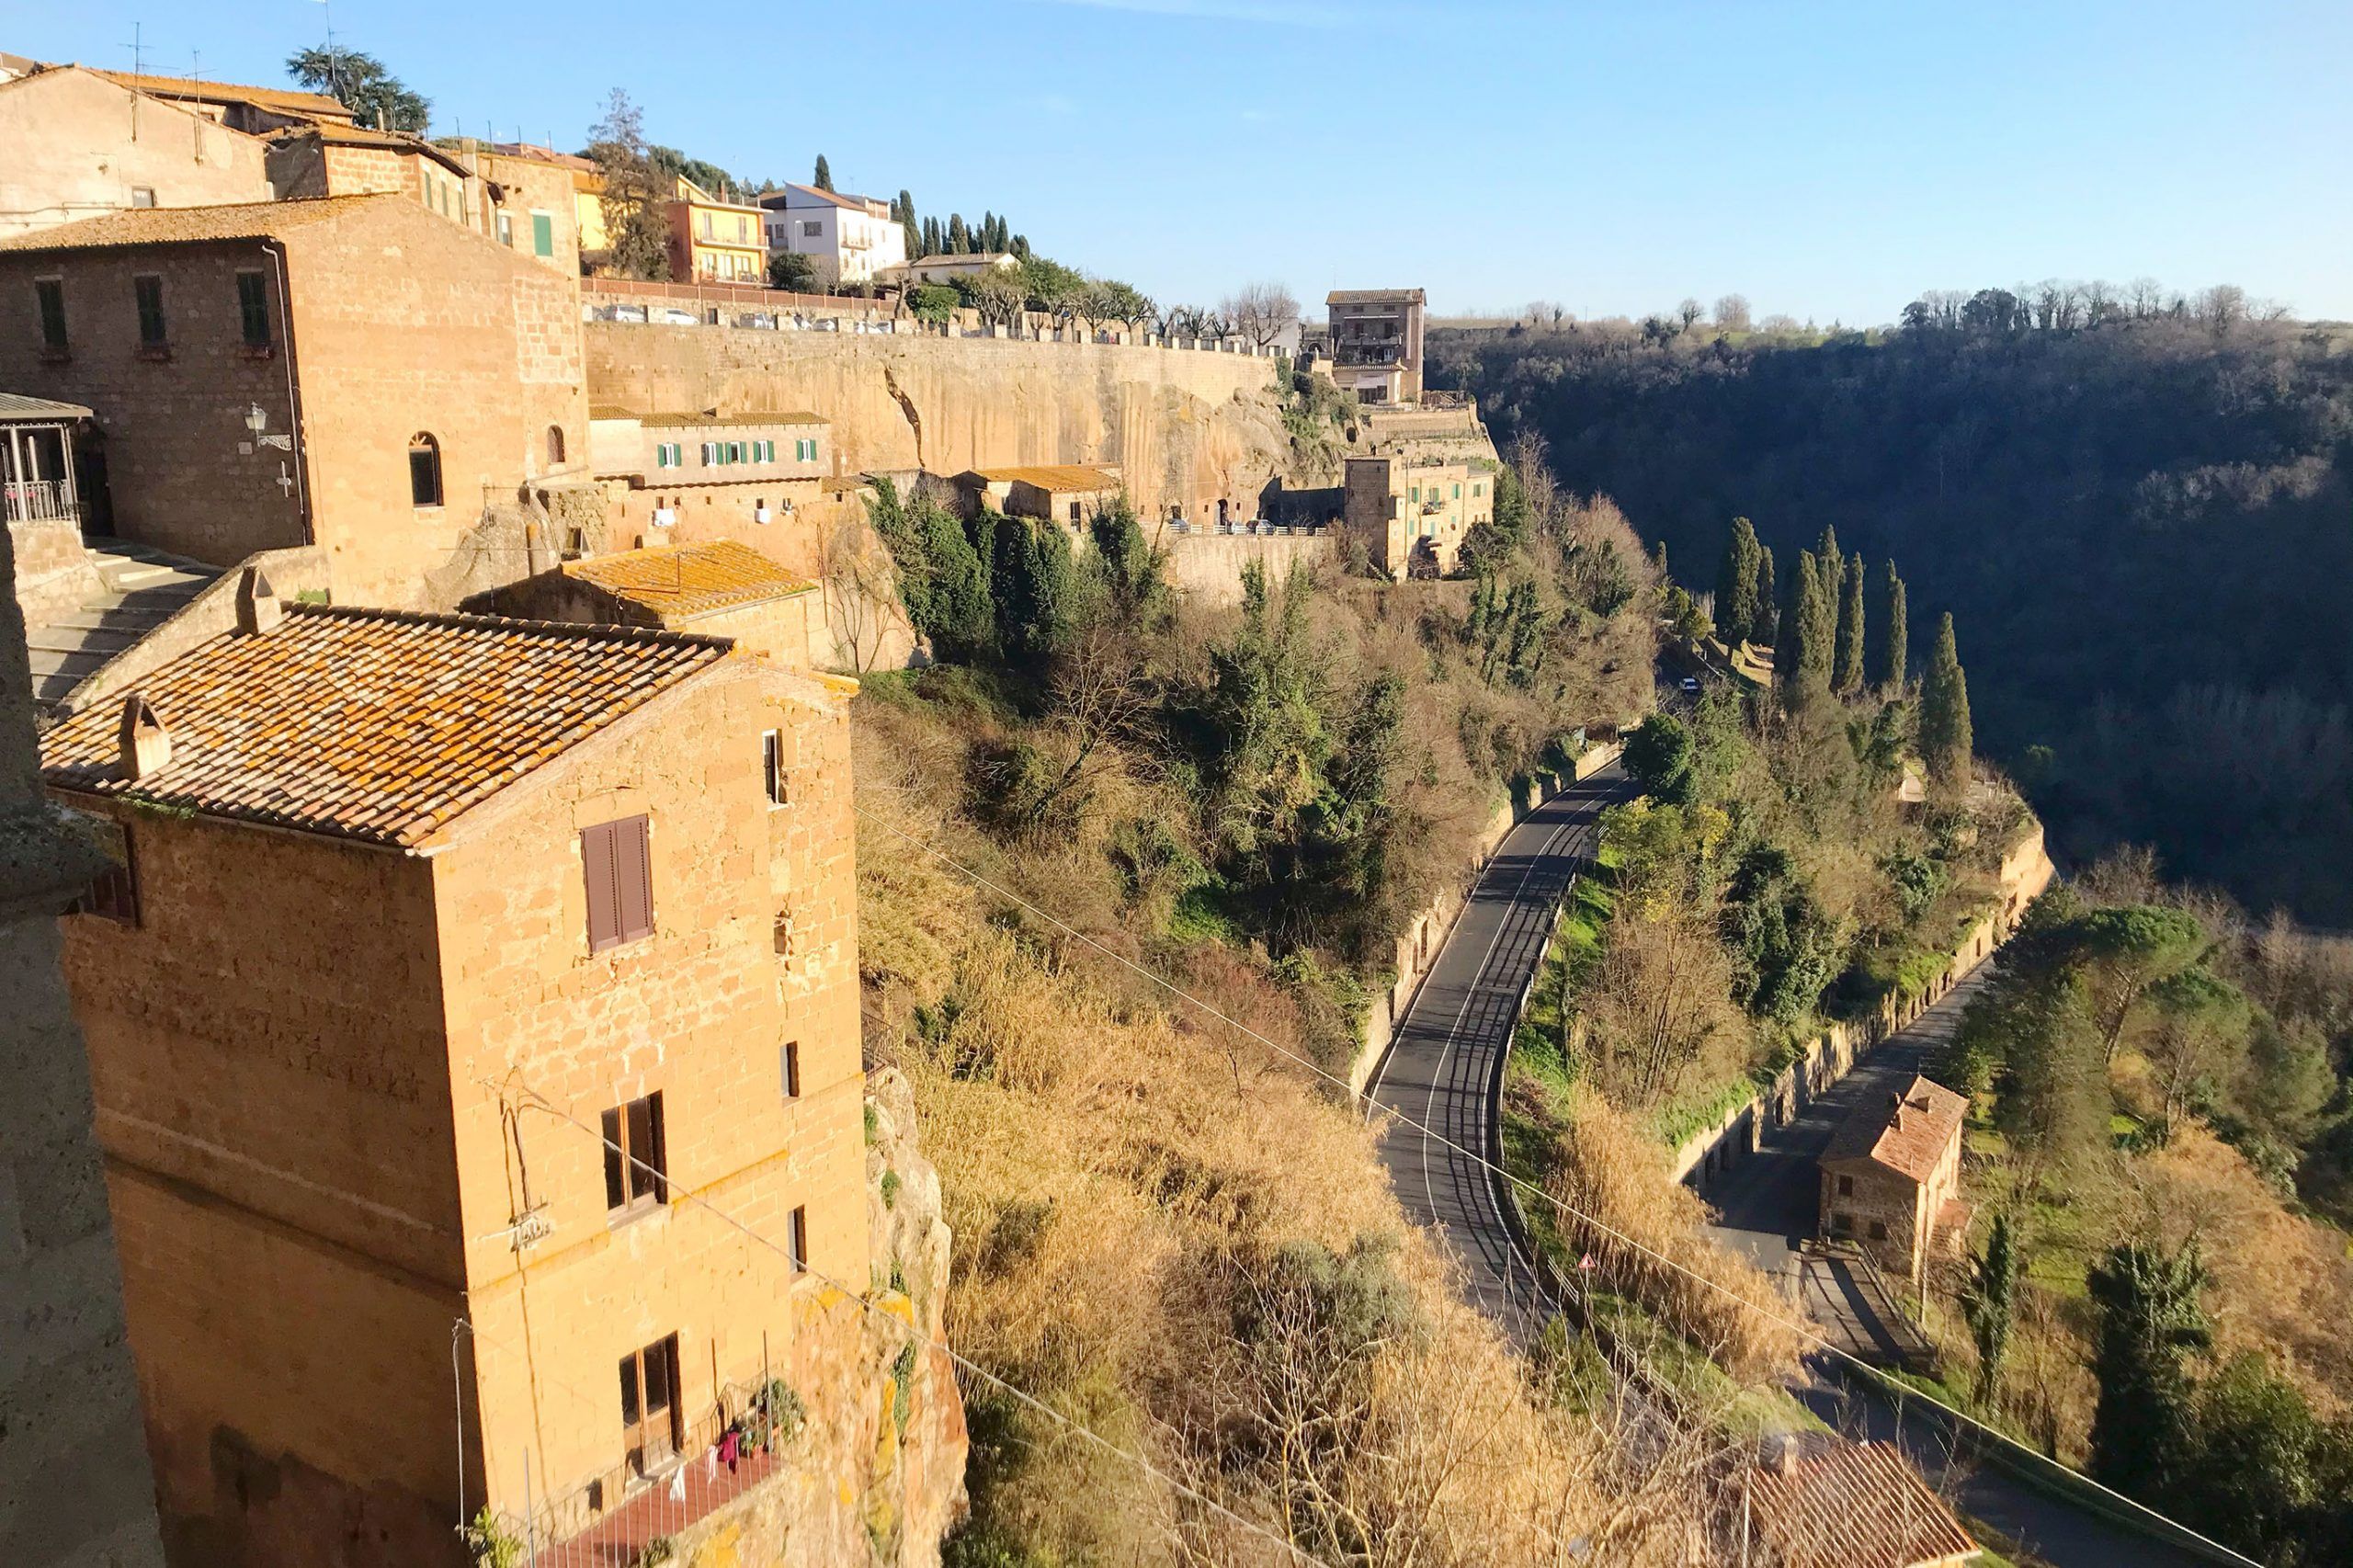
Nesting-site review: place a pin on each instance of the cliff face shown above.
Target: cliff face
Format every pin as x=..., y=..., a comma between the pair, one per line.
x=872, y=1475
x=1186, y=427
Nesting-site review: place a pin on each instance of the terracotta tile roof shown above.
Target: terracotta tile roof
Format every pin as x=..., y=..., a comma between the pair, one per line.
x=531, y=152
x=680, y=581
x=284, y=101
x=750, y=416
x=1833, y=1504
x=376, y=725
x=1373, y=297
x=1908, y=1136
x=833, y=198
x=137, y=227
x=367, y=136
x=1055, y=476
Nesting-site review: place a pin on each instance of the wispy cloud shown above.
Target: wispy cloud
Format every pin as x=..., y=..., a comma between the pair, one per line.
x=1277, y=13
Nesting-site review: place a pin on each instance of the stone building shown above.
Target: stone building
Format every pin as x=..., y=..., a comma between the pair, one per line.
x=1412, y=513
x=718, y=589
x=1067, y=494
x=1376, y=337
x=679, y=477
x=75, y=1488
x=81, y=143
x=1891, y=1177
x=254, y=111
x=307, y=161
x=353, y=372
x=469, y=971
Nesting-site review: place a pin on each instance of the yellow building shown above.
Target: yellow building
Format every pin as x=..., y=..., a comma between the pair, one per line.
x=715, y=239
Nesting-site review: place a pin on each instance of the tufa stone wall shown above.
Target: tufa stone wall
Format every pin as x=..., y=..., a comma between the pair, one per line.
x=1186, y=429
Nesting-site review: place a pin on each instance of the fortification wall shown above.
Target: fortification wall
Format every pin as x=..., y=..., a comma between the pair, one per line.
x=1185, y=428
x=1207, y=568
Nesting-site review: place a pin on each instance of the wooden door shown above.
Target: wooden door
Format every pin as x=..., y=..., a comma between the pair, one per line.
x=649, y=1405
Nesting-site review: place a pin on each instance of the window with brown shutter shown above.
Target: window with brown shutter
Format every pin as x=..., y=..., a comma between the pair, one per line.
x=616, y=858
x=772, y=768
x=800, y=1240
x=637, y=1162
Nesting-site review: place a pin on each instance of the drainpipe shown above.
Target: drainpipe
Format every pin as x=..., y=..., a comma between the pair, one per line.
x=293, y=394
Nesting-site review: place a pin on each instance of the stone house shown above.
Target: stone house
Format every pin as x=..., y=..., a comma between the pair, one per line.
x=1891, y=1177
x=307, y=161
x=351, y=372
x=722, y=588
x=684, y=476
x=1376, y=338
x=81, y=143
x=1064, y=494
x=1413, y=514
x=454, y=971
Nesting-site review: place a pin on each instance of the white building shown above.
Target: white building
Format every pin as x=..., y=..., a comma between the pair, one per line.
x=949, y=268
x=850, y=238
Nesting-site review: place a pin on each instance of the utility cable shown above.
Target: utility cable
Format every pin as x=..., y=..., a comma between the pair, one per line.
x=913, y=1335
x=1806, y=1332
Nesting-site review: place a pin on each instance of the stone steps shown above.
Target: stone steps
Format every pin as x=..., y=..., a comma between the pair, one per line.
x=143, y=589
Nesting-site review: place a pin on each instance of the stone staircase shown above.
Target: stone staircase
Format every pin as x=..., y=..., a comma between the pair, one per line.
x=141, y=589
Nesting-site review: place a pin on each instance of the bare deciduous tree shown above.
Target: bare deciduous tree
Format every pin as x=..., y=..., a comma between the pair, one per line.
x=861, y=594
x=1732, y=312
x=1261, y=313
x=1688, y=311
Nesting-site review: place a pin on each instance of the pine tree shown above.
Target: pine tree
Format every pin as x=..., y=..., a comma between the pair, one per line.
x=1846, y=673
x=1945, y=739
x=1736, y=582
x=823, y=178
x=1766, y=623
x=1895, y=633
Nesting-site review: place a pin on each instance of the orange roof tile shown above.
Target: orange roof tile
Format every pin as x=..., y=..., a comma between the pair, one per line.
x=680, y=581
x=750, y=416
x=1834, y=1504
x=284, y=100
x=1054, y=476
x=370, y=724
x=137, y=227
x=1908, y=1135
x=368, y=136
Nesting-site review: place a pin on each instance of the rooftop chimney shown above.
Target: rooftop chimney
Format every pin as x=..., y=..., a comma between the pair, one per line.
x=142, y=744
x=258, y=610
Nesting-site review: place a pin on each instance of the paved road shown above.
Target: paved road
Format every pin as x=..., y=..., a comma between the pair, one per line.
x=1444, y=1068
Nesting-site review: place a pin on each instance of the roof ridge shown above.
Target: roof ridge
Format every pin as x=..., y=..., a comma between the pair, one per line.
x=471, y=620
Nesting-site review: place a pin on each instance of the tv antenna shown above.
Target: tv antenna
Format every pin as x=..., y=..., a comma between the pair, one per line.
x=138, y=66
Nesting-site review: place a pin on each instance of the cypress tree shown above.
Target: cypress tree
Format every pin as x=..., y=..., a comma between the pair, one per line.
x=2150, y=1321
x=1945, y=739
x=1988, y=1301
x=1895, y=634
x=957, y=241
x=1802, y=661
x=1737, y=582
x=1832, y=565
x=1766, y=623
x=1848, y=673
x=823, y=178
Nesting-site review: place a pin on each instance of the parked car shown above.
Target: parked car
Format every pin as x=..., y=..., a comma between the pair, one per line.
x=675, y=317
x=759, y=319
x=625, y=312
x=1690, y=683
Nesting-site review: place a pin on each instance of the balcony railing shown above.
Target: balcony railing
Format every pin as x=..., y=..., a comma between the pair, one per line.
x=39, y=501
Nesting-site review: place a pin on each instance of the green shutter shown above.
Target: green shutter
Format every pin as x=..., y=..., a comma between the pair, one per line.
x=542, y=234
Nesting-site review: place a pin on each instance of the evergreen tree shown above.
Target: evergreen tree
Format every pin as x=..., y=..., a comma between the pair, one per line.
x=1802, y=660
x=376, y=97
x=1989, y=1301
x=959, y=241
x=2151, y=1323
x=1831, y=564
x=1946, y=739
x=1895, y=632
x=1765, y=624
x=931, y=237
x=1848, y=664
x=823, y=178
x=961, y=621
x=1736, y=582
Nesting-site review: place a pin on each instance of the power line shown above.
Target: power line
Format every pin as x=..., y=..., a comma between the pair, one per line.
x=913, y=1335
x=1804, y=1331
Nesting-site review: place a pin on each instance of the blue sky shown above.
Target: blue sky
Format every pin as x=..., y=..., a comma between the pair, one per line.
x=1829, y=161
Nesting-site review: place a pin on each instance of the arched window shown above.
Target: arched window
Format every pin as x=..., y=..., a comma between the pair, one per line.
x=424, y=470
x=555, y=446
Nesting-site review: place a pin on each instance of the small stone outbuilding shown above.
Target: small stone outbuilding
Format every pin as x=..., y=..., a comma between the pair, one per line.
x=1891, y=1176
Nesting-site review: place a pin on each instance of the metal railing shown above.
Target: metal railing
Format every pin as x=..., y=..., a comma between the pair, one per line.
x=38, y=501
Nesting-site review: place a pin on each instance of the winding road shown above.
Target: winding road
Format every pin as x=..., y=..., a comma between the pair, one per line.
x=1442, y=1080
x=1445, y=1067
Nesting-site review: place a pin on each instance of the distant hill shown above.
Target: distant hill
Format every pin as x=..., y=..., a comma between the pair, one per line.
x=2144, y=530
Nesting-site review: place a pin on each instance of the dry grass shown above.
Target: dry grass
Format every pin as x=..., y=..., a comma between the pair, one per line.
x=1119, y=1178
